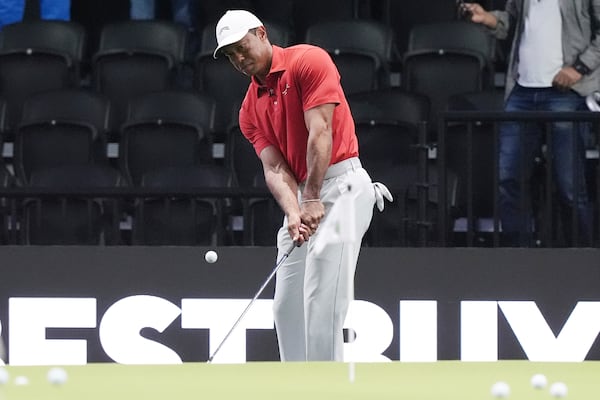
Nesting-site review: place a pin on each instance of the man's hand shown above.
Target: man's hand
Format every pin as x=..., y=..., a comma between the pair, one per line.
x=566, y=78
x=478, y=14
x=298, y=231
x=311, y=213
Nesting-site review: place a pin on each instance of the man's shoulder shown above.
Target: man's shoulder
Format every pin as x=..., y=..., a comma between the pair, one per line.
x=299, y=50
x=301, y=54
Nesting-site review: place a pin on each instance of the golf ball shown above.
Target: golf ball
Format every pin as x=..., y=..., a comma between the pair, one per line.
x=500, y=389
x=21, y=380
x=57, y=376
x=4, y=376
x=211, y=256
x=539, y=381
x=558, y=389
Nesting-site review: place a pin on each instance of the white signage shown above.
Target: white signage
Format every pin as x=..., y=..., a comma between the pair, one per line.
x=372, y=327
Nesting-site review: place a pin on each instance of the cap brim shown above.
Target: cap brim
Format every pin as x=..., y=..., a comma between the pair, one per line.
x=236, y=37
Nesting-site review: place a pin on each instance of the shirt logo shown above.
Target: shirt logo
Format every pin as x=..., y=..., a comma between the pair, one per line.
x=285, y=91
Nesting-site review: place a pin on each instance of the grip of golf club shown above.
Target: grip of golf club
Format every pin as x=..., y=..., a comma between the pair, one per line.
x=293, y=246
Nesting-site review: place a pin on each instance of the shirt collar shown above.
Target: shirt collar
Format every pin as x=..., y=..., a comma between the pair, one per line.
x=277, y=67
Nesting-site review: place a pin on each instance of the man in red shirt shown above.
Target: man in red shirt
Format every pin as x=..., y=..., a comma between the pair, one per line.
x=296, y=116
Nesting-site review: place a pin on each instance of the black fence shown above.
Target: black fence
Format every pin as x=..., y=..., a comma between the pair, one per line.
x=136, y=216
x=464, y=160
x=468, y=145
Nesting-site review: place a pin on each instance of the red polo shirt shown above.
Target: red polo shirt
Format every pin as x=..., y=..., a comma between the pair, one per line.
x=301, y=77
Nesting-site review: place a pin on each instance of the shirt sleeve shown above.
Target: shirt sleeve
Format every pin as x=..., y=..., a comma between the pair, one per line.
x=319, y=79
x=251, y=131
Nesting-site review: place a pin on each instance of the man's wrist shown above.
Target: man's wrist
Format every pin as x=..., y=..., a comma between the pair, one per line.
x=310, y=201
x=490, y=20
x=580, y=67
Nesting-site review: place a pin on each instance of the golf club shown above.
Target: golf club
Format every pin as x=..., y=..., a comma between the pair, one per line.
x=3, y=359
x=277, y=266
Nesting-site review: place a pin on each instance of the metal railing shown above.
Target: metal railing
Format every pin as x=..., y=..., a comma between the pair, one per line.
x=21, y=205
x=471, y=123
x=119, y=204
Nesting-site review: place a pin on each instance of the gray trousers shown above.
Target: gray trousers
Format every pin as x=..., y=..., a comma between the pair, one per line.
x=313, y=291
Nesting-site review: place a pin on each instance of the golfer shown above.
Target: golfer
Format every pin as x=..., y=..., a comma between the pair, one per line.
x=296, y=116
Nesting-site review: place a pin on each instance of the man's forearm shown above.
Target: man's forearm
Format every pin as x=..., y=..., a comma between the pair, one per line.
x=318, y=148
x=284, y=188
x=318, y=158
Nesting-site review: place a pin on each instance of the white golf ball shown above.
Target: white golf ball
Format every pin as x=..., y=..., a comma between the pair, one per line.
x=21, y=380
x=539, y=381
x=558, y=389
x=211, y=256
x=500, y=389
x=4, y=376
x=57, y=376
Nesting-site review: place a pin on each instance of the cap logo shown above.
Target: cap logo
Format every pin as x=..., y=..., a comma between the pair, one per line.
x=223, y=29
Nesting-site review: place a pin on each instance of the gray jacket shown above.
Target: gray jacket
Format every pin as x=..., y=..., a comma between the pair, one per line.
x=580, y=38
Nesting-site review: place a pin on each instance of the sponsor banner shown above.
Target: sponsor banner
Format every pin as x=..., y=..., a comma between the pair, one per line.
x=167, y=305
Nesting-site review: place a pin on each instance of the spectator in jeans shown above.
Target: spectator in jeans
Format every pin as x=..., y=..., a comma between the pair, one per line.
x=553, y=65
x=12, y=11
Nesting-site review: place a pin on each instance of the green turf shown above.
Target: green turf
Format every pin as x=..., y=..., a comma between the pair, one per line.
x=446, y=380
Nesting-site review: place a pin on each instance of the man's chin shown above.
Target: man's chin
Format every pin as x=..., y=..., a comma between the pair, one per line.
x=248, y=70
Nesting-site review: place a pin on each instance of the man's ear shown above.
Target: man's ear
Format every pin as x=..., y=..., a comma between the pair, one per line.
x=261, y=32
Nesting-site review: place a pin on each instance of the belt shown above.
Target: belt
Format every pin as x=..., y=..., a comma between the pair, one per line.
x=337, y=169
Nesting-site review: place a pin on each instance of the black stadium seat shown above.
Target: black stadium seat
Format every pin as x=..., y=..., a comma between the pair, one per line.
x=158, y=135
x=361, y=50
x=61, y=128
x=137, y=57
x=387, y=125
x=36, y=56
x=187, y=220
x=265, y=217
x=71, y=220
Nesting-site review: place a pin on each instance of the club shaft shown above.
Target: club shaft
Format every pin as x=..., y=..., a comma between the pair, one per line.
x=258, y=293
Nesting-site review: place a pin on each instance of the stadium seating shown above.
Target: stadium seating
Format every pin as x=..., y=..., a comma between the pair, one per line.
x=445, y=59
x=333, y=10
x=361, y=50
x=387, y=124
x=69, y=219
x=165, y=129
x=36, y=56
x=65, y=127
x=6, y=181
x=470, y=150
x=264, y=217
x=166, y=114
x=135, y=58
x=182, y=220
x=241, y=158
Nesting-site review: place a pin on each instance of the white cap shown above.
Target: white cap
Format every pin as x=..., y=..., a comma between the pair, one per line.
x=233, y=26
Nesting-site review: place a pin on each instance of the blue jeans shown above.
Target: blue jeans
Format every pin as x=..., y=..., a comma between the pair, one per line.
x=53, y=9
x=142, y=9
x=11, y=11
x=522, y=142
